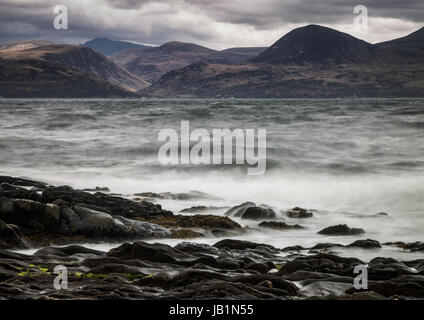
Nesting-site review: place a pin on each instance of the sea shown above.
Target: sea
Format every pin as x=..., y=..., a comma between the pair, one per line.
x=346, y=159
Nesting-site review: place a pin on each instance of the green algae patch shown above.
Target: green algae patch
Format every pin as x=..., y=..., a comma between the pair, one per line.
x=90, y=275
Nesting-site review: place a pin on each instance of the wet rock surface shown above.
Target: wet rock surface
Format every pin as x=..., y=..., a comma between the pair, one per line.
x=299, y=213
x=230, y=269
x=249, y=210
x=278, y=225
x=36, y=214
x=33, y=214
x=202, y=209
x=341, y=230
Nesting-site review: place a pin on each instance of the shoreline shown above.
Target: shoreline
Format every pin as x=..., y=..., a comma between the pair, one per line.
x=138, y=268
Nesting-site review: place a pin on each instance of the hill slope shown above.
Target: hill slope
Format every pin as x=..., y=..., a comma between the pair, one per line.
x=309, y=62
x=36, y=78
x=83, y=58
x=316, y=44
x=109, y=47
x=151, y=63
x=409, y=48
x=23, y=44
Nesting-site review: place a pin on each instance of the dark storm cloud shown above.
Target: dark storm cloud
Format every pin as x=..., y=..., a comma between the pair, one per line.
x=217, y=23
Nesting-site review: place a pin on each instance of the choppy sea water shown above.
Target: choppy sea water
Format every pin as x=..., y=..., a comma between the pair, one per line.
x=347, y=159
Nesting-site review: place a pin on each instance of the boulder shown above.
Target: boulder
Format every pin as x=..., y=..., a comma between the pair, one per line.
x=278, y=225
x=241, y=245
x=201, y=209
x=413, y=246
x=341, y=230
x=299, y=213
x=144, y=229
x=366, y=244
x=258, y=213
x=31, y=216
x=22, y=182
x=149, y=252
x=15, y=192
x=105, y=203
x=237, y=211
x=11, y=236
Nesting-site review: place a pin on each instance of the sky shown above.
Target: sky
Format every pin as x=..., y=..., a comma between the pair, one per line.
x=217, y=24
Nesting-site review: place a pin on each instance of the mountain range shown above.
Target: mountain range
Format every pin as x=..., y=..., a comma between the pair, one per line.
x=152, y=63
x=308, y=62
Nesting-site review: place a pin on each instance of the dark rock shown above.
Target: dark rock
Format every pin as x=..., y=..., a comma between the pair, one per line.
x=259, y=267
x=192, y=276
x=278, y=225
x=196, y=221
x=265, y=283
x=366, y=244
x=66, y=251
x=325, y=288
x=241, y=245
x=414, y=246
x=149, y=252
x=416, y=264
x=104, y=203
x=237, y=211
x=192, y=195
x=116, y=268
x=185, y=234
x=277, y=282
x=31, y=216
x=222, y=290
x=321, y=262
x=11, y=236
x=341, y=230
x=258, y=213
x=382, y=214
x=98, y=189
x=22, y=182
x=299, y=213
x=387, y=268
x=325, y=246
x=201, y=209
x=14, y=192
x=293, y=248
x=190, y=247
x=404, y=286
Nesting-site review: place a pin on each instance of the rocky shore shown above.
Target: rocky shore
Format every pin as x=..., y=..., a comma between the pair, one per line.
x=56, y=219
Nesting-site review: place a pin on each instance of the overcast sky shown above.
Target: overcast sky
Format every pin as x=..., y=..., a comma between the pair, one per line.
x=217, y=24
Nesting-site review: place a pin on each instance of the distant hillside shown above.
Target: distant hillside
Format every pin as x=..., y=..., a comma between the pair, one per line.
x=308, y=62
x=23, y=44
x=35, y=78
x=316, y=44
x=151, y=63
x=409, y=48
x=109, y=47
x=246, y=52
x=83, y=58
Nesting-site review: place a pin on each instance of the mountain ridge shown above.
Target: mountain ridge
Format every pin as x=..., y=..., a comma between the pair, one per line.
x=83, y=58
x=109, y=47
x=151, y=63
x=311, y=62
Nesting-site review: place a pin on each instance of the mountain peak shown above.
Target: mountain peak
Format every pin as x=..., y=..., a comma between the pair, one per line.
x=316, y=44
